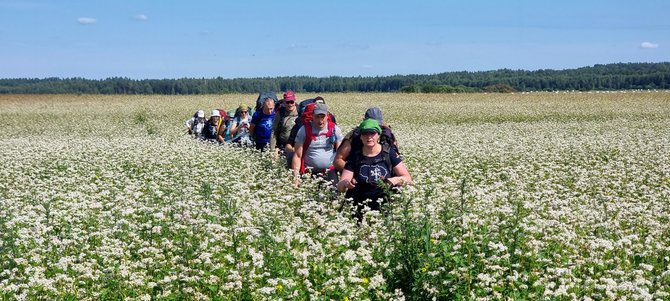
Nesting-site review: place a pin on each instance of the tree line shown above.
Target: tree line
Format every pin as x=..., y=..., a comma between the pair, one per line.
x=621, y=76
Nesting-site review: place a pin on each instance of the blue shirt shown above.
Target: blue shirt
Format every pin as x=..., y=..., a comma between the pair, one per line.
x=263, y=130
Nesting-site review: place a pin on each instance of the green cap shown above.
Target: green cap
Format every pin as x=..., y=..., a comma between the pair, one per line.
x=370, y=126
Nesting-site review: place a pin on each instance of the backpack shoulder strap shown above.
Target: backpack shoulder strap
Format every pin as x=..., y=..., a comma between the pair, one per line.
x=307, y=126
x=331, y=128
x=386, y=156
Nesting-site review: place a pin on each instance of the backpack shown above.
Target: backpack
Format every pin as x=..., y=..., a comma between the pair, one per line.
x=306, y=121
x=261, y=98
x=303, y=105
x=224, y=115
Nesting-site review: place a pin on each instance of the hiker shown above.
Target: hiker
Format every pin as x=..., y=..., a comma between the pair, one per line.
x=214, y=128
x=195, y=124
x=352, y=139
x=260, y=126
x=239, y=126
x=301, y=109
x=367, y=168
x=315, y=144
x=282, y=125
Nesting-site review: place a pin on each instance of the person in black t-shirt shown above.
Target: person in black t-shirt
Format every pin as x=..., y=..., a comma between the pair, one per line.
x=373, y=164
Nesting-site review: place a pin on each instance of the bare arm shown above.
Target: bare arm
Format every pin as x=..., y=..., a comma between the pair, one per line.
x=346, y=181
x=222, y=132
x=402, y=175
x=233, y=128
x=297, y=157
x=341, y=154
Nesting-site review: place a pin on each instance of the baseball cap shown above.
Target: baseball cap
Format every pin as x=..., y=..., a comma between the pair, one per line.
x=289, y=95
x=200, y=114
x=215, y=113
x=370, y=126
x=321, y=108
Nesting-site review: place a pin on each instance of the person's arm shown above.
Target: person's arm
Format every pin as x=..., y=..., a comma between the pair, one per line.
x=252, y=124
x=341, y=154
x=297, y=157
x=298, y=148
x=273, y=135
x=222, y=132
x=402, y=177
x=189, y=125
x=347, y=181
x=233, y=128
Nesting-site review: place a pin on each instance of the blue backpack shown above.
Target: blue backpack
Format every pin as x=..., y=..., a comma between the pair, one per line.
x=261, y=98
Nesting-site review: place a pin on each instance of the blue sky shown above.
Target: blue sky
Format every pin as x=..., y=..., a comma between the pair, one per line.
x=174, y=39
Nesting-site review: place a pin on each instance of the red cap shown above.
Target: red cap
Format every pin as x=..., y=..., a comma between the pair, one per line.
x=289, y=95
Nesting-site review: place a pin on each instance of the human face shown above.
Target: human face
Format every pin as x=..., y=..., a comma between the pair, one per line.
x=268, y=107
x=244, y=113
x=290, y=105
x=320, y=121
x=214, y=119
x=369, y=138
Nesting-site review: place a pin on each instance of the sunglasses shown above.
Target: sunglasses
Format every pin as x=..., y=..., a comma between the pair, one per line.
x=243, y=111
x=289, y=102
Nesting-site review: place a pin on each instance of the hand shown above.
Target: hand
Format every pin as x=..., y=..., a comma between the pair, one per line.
x=396, y=181
x=345, y=185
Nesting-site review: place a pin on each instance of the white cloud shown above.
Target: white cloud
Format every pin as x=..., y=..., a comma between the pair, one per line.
x=648, y=45
x=141, y=17
x=86, y=20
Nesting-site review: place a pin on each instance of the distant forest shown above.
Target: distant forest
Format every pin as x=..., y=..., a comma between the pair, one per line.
x=621, y=76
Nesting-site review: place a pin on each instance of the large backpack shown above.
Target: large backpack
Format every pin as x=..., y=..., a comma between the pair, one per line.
x=224, y=115
x=261, y=98
x=303, y=105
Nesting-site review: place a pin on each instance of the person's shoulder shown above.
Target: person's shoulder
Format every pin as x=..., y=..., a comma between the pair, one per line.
x=300, y=135
x=349, y=135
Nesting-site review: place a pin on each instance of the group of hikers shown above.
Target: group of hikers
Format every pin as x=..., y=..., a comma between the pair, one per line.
x=365, y=164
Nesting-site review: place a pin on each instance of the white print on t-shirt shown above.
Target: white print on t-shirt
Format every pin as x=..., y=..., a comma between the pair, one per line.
x=373, y=173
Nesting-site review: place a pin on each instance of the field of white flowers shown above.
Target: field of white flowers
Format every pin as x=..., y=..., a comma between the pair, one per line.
x=518, y=196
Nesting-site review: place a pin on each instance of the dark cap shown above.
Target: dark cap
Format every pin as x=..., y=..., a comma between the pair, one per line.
x=374, y=113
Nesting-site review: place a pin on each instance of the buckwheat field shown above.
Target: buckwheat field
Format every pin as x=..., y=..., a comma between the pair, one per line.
x=536, y=196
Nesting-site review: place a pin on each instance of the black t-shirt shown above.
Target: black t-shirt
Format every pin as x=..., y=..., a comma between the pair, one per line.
x=368, y=171
x=210, y=131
